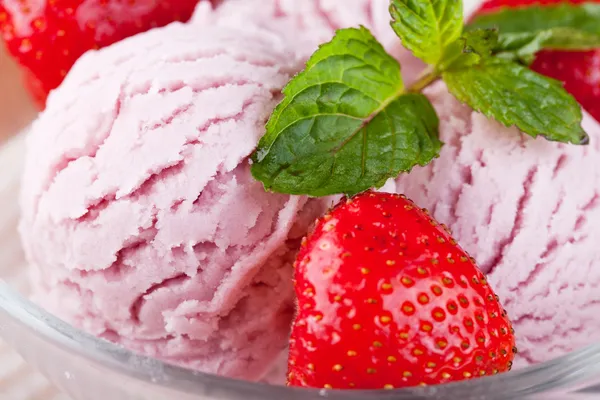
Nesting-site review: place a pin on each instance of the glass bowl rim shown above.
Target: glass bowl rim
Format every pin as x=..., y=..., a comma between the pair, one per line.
x=555, y=374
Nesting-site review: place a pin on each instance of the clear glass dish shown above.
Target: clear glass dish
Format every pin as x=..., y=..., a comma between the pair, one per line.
x=92, y=369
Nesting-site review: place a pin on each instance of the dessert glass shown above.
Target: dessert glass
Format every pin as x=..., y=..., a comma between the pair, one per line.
x=88, y=368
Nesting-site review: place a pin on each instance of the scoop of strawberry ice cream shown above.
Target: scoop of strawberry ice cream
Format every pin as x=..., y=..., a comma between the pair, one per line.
x=140, y=217
x=306, y=24
x=527, y=210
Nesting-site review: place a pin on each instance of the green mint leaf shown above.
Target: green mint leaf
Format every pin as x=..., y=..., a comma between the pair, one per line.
x=525, y=31
x=514, y=95
x=523, y=46
x=345, y=124
x=583, y=17
x=427, y=27
x=471, y=49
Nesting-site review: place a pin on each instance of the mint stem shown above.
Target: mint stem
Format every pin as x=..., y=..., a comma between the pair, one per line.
x=427, y=78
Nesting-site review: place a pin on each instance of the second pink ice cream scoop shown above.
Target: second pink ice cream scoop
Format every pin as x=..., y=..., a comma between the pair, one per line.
x=528, y=211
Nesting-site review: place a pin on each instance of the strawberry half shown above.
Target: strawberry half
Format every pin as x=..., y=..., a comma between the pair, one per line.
x=579, y=70
x=48, y=36
x=387, y=299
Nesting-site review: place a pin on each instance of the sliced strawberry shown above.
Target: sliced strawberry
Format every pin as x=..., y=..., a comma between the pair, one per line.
x=387, y=299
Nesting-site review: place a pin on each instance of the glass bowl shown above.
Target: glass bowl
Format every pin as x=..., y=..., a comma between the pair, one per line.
x=88, y=368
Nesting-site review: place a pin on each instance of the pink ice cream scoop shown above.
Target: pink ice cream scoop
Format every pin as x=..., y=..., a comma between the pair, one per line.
x=305, y=24
x=141, y=220
x=528, y=211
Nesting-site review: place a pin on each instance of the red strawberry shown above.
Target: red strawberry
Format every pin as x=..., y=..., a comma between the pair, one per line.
x=387, y=299
x=48, y=36
x=579, y=70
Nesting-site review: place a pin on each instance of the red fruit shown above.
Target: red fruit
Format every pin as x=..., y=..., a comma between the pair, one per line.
x=48, y=36
x=387, y=299
x=579, y=70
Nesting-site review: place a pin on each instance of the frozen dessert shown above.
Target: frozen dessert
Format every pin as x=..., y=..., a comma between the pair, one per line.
x=143, y=224
x=306, y=24
x=316, y=19
x=141, y=220
x=526, y=210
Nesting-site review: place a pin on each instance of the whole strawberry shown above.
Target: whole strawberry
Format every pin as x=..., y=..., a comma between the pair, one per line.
x=387, y=299
x=579, y=70
x=48, y=36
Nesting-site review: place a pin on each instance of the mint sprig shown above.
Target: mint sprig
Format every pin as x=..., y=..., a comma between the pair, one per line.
x=466, y=66
x=347, y=122
x=525, y=31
